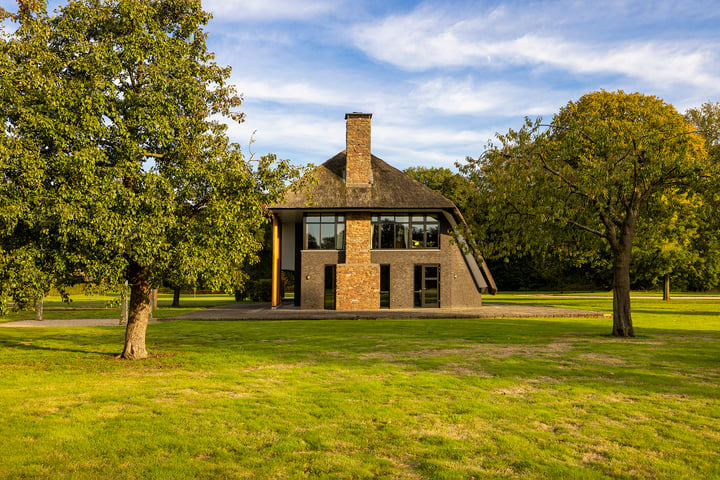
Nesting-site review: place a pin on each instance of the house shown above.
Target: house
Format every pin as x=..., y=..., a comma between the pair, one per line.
x=366, y=236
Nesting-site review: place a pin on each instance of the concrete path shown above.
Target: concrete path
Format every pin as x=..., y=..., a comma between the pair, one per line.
x=239, y=312
x=68, y=322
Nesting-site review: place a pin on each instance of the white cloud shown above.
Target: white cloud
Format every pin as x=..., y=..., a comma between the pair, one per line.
x=290, y=92
x=428, y=39
x=313, y=137
x=452, y=96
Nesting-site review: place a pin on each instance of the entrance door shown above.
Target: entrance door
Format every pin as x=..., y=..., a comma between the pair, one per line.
x=329, y=287
x=427, y=286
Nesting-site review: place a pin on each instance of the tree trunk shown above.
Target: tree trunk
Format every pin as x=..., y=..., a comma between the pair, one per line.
x=39, y=309
x=140, y=291
x=176, y=298
x=622, y=320
x=666, y=287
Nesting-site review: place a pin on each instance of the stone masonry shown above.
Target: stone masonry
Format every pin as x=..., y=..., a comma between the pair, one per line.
x=358, y=280
x=358, y=169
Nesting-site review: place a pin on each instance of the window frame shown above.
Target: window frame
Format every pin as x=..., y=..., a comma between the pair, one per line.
x=421, y=292
x=324, y=219
x=400, y=230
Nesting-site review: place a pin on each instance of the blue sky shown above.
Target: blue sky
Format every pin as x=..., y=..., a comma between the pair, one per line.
x=441, y=77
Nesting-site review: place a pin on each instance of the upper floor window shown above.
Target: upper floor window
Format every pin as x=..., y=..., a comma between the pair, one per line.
x=325, y=231
x=405, y=231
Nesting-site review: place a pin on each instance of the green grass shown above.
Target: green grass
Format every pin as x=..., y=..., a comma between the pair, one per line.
x=100, y=306
x=435, y=399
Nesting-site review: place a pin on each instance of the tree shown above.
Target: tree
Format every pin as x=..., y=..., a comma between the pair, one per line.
x=112, y=112
x=580, y=183
x=706, y=119
x=453, y=186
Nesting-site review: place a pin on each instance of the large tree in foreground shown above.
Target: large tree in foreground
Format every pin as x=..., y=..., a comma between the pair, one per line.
x=581, y=183
x=116, y=152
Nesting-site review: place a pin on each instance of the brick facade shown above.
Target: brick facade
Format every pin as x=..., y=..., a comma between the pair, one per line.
x=358, y=170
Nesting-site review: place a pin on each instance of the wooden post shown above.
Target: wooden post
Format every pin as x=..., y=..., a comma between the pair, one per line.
x=666, y=287
x=276, y=265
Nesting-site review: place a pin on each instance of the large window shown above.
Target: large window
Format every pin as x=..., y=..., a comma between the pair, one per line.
x=325, y=231
x=405, y=231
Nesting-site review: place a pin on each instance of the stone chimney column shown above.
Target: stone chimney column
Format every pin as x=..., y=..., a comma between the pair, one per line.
x=357, y=279
x=358, y=169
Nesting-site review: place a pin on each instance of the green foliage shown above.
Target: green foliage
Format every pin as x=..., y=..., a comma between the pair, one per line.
x=706, y=120
x=114, y=153
x=453, y=186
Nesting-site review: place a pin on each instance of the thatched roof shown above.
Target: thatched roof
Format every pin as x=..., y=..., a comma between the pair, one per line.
x=391, y=189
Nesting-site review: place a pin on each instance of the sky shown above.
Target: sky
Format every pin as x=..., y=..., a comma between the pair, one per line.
x=442, y=77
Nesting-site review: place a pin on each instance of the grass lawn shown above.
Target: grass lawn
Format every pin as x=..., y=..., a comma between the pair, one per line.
x=445, y=399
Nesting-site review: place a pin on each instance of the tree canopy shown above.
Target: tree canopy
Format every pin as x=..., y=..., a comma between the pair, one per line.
x=116, y=161
x=580, y=183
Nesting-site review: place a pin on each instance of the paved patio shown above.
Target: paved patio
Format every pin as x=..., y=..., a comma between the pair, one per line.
x=262, y=311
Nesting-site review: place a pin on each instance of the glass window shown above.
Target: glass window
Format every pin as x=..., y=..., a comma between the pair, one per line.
x=405, y=231
x=325, y=231
x=384, y=286
x=313, y=235
x=431, y=236
x=387, y=235
x=330, y=290
x=401, y=235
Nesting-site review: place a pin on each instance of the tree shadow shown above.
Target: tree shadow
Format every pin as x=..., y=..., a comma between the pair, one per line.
x=24, y=344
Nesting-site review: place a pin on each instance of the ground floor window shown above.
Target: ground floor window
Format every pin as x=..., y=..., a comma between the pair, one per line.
x=384, y=286
x=329, y=287
x=427, y=286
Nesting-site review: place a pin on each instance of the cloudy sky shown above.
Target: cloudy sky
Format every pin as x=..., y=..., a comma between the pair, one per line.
x=441, y=77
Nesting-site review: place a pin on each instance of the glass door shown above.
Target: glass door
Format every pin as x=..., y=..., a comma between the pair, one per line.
x=427, y=286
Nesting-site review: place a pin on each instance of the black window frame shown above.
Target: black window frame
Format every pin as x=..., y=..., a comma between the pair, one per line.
x=421, y=293
x=336, y=221
x=390, y=231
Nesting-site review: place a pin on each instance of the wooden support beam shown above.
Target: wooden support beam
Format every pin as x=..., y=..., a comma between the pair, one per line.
x=276, y=265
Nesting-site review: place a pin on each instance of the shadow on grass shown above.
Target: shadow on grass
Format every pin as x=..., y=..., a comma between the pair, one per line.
x=72, y=344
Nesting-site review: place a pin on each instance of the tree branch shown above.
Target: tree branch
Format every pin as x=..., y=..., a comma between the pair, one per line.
x=587, y=229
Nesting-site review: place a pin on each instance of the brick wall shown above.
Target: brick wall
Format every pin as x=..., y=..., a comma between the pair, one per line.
x=358, y=168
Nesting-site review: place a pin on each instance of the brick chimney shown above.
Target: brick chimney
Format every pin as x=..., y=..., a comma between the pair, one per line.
x=358, y=169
